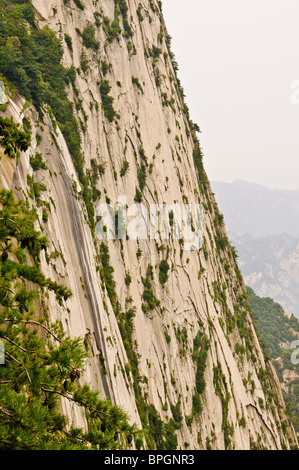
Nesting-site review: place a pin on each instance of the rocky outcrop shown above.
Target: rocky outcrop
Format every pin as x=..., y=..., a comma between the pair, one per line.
x=192, y=354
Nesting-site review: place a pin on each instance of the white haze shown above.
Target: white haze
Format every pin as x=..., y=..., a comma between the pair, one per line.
x=237, y=61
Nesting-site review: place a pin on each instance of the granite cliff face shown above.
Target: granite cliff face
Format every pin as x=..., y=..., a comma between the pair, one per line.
x=169, y=328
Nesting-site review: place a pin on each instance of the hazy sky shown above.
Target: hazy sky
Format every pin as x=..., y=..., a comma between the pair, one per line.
x=237, y=61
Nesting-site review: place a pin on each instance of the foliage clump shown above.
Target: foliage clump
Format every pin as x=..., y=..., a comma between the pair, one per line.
x=201, y=346
x=107, y=100
x=150, y=300
x=123, y=8
x=163, y=271
x=37, y=162
x=12, y=139
x=88, y=37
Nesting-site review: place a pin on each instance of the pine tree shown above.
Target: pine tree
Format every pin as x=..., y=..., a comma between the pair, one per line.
x=42, y=364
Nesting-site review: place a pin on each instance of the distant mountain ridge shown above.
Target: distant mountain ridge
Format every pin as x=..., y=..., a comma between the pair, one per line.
x=263, y=226
x=270, y=265
x=257, y=210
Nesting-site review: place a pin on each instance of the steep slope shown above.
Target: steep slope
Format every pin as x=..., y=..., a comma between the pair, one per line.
x=166, y=318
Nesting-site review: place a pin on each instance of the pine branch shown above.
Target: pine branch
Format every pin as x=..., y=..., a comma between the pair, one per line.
x=7, y=290
x=9, y=414
x=15, y=344
x=12, y=221
x=31, y=322
x=18, y=362
x=71, y=398
x=79, y=402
